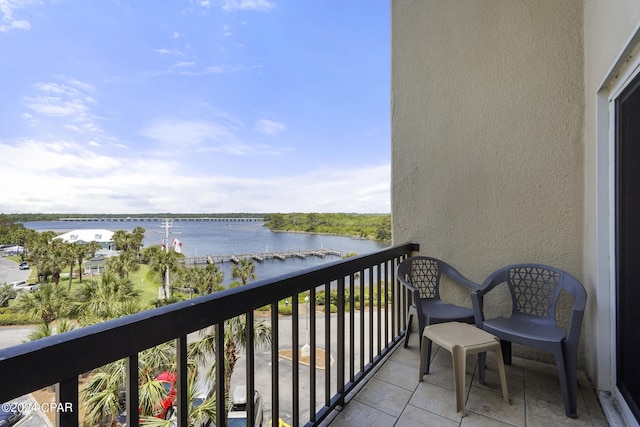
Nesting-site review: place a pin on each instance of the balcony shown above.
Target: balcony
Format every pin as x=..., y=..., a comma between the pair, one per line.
x=354, y=349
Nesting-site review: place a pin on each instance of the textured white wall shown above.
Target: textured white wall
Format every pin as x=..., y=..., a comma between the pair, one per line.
x=487, y=131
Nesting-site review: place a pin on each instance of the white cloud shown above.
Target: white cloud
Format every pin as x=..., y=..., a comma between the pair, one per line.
x=183, y=64
x=259, y=5
x=179, y=134
x=69, y=101
x=269, y=127
x=65, y=177
x=7, y=9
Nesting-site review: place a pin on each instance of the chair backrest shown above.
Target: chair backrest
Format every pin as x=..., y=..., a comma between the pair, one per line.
x=423, y=273
x=535, y=288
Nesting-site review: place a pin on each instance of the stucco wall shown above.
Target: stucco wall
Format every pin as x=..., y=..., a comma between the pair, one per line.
x=487, y=131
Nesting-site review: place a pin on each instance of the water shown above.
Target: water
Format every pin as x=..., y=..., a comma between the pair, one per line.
x=223, y=238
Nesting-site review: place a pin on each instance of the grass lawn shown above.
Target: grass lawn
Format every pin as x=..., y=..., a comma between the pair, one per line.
x=146, y=281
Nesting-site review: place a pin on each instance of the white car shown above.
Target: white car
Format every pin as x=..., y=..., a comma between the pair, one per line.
x=22, y=285
x=237, y=416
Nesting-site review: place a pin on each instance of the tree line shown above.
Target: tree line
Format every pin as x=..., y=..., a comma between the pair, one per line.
x=365, y=226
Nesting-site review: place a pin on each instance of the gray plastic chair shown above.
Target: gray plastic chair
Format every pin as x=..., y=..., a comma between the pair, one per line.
x=421, y=275
x=534, y=291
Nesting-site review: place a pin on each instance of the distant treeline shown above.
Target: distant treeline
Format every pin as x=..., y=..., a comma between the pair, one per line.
x=367, y=226
x=55, y=217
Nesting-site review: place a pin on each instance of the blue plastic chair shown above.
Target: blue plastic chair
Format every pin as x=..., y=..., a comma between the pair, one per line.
x=535, y=290
x=422, y=276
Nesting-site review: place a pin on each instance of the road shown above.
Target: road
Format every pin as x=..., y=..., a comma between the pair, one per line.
x=9, y=271
x=13, y=335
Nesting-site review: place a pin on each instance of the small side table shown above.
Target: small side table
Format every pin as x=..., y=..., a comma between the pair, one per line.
x=461, y=339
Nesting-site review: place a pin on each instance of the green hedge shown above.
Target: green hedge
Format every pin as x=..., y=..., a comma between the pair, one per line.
x=11, y=318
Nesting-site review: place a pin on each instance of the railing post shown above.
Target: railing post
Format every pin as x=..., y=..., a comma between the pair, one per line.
x=182, y=382
x=251, y=381
x=341, y=342
x=275, y=372
x=66, y=406
x=220, y=388
x=131, y=390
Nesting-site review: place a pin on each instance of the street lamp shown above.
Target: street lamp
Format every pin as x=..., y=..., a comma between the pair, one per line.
x=305, y=351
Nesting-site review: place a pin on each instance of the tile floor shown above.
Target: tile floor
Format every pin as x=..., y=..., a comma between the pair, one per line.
x=394, y=397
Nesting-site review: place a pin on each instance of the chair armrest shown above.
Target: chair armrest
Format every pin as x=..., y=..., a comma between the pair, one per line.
x=477, y=296
x=477, y=302
x=457, y=277
x=575, y=324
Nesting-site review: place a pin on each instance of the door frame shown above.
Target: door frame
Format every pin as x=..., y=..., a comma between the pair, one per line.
x=620, y=75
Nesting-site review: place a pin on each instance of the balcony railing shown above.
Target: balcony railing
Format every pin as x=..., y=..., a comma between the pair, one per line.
x=368, y=321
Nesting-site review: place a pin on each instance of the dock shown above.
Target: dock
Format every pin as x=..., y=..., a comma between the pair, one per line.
x=261, y=256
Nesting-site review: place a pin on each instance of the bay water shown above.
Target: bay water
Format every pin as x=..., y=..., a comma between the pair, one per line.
x=202, y=238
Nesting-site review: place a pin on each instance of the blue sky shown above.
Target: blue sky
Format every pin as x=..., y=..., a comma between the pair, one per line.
x=142, y=106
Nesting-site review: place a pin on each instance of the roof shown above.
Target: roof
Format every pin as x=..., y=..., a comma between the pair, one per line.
x=86, y=236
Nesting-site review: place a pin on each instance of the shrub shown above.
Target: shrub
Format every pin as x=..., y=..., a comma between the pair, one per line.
x=11, y=318
x=285, y=310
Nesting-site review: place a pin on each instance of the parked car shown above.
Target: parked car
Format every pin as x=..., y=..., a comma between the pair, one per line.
x=24, y=265
x=9, y=416
x=237, y=416
x=166, y=409
x=22, y=285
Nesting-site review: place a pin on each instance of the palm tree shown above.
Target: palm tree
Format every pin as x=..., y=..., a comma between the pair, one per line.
x=57, y=257
x=124, y=263
x=162, y=261
x=78, y=252
x=7, y=293
x=47, y=303
x=235, y=338
x=104, y=299
x=45, y=330
x=202, y=281
x=122, y=240
x=244, y=271
x=103, y=393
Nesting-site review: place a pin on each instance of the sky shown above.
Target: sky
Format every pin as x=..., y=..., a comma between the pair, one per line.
x=185, y=106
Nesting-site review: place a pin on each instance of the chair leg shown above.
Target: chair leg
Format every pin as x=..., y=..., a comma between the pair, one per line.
x=406, y=335
x=506, y=351
x=428, y=355
x=482, y=363
x=423, y=349
x=568, y=377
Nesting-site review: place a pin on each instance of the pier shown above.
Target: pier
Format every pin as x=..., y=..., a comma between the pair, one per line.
x=261, y=256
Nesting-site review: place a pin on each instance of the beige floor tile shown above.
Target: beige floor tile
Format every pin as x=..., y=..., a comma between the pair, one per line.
x=491, y=405
x=414, y=416
x=477, y=420
x=357, y=413
x=395, y=397
x=402, y=375
x=436, y=399
x=537, y=421
x=386, y=397
x=515, y=383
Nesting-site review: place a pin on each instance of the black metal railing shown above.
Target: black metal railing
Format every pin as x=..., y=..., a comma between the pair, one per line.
x=368, y=319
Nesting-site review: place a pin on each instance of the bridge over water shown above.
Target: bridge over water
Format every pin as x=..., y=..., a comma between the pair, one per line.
x=152, y=219
x=262, y=256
